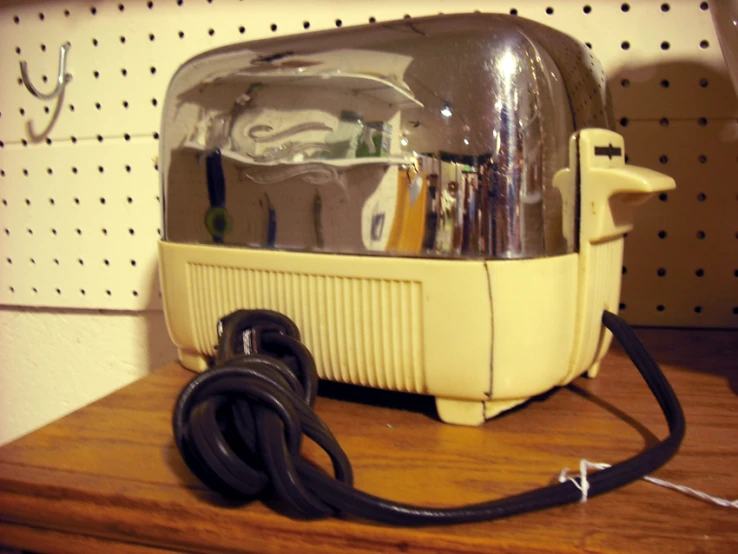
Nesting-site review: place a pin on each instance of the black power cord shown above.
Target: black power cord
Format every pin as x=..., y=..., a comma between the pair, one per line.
x=239, y=427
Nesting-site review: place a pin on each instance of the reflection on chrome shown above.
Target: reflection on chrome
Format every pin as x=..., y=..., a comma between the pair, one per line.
x=437, y=137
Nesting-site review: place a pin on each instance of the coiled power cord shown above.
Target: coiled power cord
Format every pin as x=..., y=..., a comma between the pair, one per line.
x=239, y=428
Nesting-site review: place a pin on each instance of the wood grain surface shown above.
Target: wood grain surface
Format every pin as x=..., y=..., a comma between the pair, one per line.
x=110, y=472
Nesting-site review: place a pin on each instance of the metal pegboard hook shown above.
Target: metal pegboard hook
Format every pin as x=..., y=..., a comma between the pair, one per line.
x=62, y=79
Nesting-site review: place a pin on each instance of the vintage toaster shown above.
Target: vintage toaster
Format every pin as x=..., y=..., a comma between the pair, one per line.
x=438, y=203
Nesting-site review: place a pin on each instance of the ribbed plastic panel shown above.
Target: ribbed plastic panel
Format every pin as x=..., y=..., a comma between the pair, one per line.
x=361, y=331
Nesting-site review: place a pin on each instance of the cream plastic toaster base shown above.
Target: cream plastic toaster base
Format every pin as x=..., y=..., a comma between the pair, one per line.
x=443, y=328
x=480, y=336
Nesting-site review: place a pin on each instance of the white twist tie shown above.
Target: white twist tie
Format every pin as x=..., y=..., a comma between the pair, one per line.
x=580, y=482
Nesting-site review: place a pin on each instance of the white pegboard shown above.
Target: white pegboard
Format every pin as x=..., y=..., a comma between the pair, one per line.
x=662, y=60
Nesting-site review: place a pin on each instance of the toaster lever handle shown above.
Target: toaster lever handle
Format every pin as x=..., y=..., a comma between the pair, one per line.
x=611, y=191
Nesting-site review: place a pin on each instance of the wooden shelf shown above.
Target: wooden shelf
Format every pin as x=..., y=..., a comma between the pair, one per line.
x=108, y=477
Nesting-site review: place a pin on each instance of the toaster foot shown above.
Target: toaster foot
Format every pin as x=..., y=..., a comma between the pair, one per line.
x=594, y=370
x=460, y=412
x=193, y=360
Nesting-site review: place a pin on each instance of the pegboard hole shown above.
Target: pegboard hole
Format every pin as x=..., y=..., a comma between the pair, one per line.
x=664, y=159
x=661, y=272
x=735, y=310
x=625, y=270
x=663, y=197
x=122, y=39
x=9, y=261
x=80, y=261
x=48, y=141
x=702, y=159
x=74, y=170
x=16, y=19
x=703, y=6
x=135, y=293
x=46, y=109
x=98, y=105
x=129, y=200
x=698, y=309
x=106, y=262
x=700, y=272
x=704, y=82
x=338, y=23
x=96, y=74
x=71, y=107
x=181, y=34
x=101, y=169
x=58, y=291
x=17, y=50
x=124, y=72
x=125, y=104
x=53, y=231
x=79, y=231
x=663, y=234
x=82, y=292
x=701, y=197
x=156, y=135
x=211, y=32
x=127, y=136
x=702, y=121
x=704, y=44
x=625, y=7
x=625, y=45
x=102, y=201
x=701, y=235
x=242, y=29
x=93, y=11
x=99, y=138
x=11, y=289
x=131, y=231
x=35, y=290
x=133, y=263
x=372, y=20
x=513, y=11
x=128, y=169
x=589, y=45
x=549, y=10
x=67, y=13
x=104, y=231
x=152, y=37
x=25, y=172
x=665, y=83
x=108, y=292
x=41, y=16
x=625, y=83
x=660, y=308
x=150, y=5
x=56, y=261
x=587, y=9
x=305, y=24
x=43, y=48
x=153, y=70
x=624, y=121
x=28, y=202
x=22, y=111
x=274, y=27
x=33, y=262
x=154, y=102
x=665, y=45
x=665, y=8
